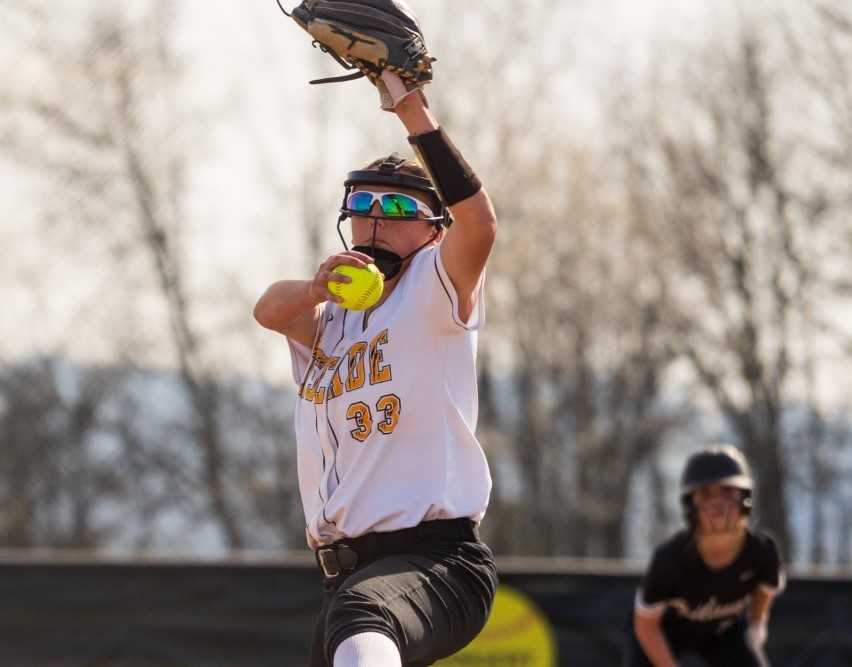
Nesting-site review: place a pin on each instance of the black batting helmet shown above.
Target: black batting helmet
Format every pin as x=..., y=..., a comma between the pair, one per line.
x=716, y=464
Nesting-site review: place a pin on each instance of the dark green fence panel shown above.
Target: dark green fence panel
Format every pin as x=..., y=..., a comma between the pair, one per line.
x=260, y=614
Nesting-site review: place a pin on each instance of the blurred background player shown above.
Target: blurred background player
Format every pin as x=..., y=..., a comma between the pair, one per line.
x=708, y=589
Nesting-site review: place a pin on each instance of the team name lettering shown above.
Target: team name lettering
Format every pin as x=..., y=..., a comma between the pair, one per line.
x=313, y=392
x=711, y=610
x=364, y=362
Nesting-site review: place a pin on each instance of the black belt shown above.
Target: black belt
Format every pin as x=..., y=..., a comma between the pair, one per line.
x=344, y=556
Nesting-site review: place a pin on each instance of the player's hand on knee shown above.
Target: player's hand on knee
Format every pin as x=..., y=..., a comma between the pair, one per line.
x=325, y=274
x=757, y=634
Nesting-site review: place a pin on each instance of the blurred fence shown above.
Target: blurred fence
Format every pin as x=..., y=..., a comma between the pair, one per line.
x=253, y=612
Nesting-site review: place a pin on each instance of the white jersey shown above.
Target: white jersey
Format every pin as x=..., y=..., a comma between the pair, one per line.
x=387, y=411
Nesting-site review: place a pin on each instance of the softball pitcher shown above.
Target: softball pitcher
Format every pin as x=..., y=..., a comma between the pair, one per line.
x=393, y=481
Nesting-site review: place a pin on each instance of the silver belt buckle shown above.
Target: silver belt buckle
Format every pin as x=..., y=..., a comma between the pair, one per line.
x=327, y=559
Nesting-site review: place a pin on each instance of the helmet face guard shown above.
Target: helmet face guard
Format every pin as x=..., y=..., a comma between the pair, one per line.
x=718, y=464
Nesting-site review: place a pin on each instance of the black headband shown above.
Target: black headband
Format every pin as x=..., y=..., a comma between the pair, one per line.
x=385, y=178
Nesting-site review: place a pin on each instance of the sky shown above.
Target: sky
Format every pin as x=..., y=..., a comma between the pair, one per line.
x=248, y=67
x=247, y=71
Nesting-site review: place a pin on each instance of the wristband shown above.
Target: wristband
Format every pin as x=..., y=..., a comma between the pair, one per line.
x=451, y=174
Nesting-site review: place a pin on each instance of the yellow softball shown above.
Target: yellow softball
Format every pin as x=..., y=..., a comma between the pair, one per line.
x=364, y=290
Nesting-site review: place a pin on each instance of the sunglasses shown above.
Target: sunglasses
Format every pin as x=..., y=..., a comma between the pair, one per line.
x=393, y=204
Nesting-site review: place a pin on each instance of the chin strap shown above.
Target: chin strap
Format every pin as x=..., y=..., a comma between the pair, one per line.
x=388, y=262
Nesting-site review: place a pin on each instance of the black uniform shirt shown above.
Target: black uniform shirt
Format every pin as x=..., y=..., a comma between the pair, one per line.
x=698, y=602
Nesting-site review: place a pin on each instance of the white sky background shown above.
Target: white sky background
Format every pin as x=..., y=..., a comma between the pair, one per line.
x=268, y=62
x=248, y=71
x=248, y=67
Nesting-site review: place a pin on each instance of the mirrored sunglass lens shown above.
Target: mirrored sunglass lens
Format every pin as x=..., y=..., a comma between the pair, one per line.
x=397, y=204
x=360, y=202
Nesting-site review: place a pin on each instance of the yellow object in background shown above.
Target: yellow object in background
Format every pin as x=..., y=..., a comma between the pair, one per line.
x=517, y=633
